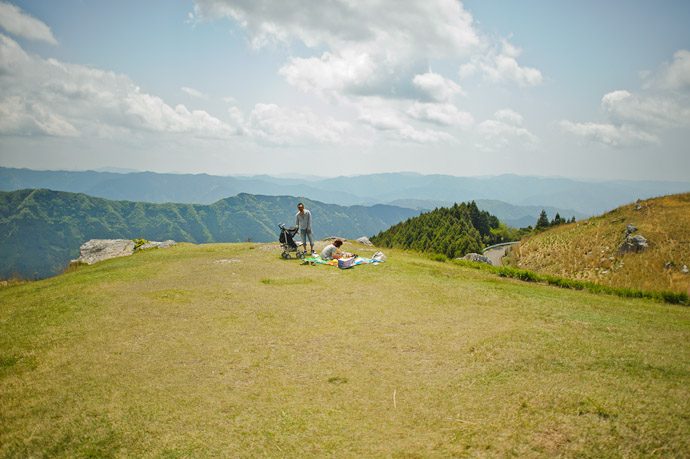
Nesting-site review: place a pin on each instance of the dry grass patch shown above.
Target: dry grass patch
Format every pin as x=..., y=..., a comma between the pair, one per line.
x=588, y=251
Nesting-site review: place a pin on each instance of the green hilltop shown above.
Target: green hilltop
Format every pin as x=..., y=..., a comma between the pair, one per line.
x=41, y=230
x=227, y=350
x=449, y=231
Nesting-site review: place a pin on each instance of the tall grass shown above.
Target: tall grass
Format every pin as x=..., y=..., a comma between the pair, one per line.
x=588, y=251
x=530, y=276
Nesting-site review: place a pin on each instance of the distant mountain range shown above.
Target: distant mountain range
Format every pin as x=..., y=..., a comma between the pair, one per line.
x=41, y=230
x=577, y=198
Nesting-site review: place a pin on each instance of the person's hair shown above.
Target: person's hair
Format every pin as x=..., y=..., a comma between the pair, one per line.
x=337, y=243
x=300, y=204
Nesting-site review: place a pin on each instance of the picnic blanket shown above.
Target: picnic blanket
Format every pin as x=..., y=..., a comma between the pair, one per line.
x=358, y=261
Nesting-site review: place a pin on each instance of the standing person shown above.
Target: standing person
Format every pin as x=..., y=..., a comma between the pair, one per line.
x=303, y=222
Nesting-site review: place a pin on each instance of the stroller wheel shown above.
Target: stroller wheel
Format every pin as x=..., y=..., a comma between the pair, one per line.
x=287, y=256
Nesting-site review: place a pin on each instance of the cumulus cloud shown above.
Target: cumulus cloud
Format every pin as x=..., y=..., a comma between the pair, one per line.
x=366, y=48
x=674, y=75
x=20, y=24
x=22, y=117
x=49, y=97
x=610, y=134
x=442, y=114
x=436, y=87
x=276, y=125
x=366, y=51
x=504, y=130
x=383, y=117
x=509, y=116
x=435, y=28
x=53, y=98
x=645, y=111
x=635, y=119
x=501, y=67
x=349, y=72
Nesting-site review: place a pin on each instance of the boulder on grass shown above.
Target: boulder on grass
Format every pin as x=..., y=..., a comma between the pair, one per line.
x=97, y=250
x=633, y=244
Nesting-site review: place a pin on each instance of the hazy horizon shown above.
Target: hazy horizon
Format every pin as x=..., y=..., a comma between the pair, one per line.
x=124, y=171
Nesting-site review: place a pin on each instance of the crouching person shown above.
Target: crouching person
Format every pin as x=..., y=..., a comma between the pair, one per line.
x=332, y=251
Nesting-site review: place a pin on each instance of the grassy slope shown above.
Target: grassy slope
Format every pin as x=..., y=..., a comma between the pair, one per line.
x=588, y=250
x=228, y=350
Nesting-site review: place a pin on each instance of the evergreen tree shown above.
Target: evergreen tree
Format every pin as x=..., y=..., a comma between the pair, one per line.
x=543, y=221
x=448, y=231
x=556, y=220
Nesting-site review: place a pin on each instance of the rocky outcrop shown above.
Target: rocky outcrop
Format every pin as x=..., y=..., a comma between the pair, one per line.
x=477, y=258
x=364, y=240
x=97, y=250
x=633, y=244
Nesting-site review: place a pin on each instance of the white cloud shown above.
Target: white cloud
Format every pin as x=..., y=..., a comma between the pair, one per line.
x=436, y=87
x=367, y=51
x=276, y=125
x=409, y=133
x=20, y=24
x=634, y=119
x=674, y=75
x=193, y=92
x=609, y=134
x=505, y=130
x=330, y=74
x=502, y=67
x=509, y=116
x=645, y=111
x=26, y=118
x=434, y=28
x=442, y=114
x=385, y=118
x=53, y=98
x=366, y=47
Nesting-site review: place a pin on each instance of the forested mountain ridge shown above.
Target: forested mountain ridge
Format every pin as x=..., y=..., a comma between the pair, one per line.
x=41, y=230
x=450, y=231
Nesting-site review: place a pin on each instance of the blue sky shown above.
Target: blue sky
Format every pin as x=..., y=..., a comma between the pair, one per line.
x=585, y=89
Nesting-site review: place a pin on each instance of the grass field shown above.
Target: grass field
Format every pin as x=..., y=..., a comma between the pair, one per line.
x=227, y=350
x=588, y=251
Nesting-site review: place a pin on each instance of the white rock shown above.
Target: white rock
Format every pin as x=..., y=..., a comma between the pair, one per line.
x=159, y=245
x=97, y=250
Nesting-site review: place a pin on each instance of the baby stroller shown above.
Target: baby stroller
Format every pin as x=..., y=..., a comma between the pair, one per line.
x=288, y=244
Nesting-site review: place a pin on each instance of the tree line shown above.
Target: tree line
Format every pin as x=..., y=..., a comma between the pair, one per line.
x=544, y=223
x=450, y=231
